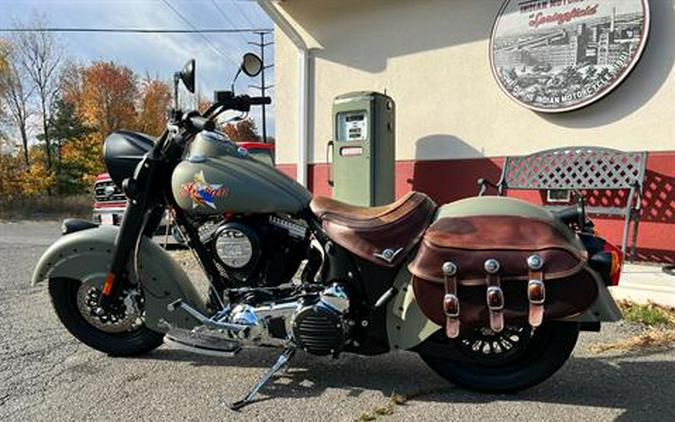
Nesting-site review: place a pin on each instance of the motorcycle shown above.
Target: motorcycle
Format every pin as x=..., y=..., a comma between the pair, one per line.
x=490, y=291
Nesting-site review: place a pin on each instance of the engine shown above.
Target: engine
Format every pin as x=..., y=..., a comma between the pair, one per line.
x=256, y=255
x=317, y=323
x=257, y=251
x=320, y=325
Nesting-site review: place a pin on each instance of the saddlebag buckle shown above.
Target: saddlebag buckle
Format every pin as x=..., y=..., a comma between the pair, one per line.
x=450, y=300
x=536, y=292
x=451, y=305
x=495, y=298
x=494, y=295
x=536, y=295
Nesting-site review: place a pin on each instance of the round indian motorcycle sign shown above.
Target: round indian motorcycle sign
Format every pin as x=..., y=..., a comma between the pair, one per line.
x=560, y=55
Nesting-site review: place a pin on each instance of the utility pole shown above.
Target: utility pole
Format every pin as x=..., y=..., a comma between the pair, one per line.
x=263, y=87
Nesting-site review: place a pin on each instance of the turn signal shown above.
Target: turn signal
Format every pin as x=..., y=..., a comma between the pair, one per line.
x=108, y=284
x=617, y=263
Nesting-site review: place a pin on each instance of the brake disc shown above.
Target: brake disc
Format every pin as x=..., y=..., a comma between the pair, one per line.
x=126, y=314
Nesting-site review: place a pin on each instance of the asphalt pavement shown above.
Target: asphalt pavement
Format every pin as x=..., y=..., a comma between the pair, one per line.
x=45, y=374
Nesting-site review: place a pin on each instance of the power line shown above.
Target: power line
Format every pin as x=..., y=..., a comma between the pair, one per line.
x=204, y=37
x=139, y=30
x=246, y=18
x=227, y=18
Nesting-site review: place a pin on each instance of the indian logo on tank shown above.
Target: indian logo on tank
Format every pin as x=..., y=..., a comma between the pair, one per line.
x=202, y=192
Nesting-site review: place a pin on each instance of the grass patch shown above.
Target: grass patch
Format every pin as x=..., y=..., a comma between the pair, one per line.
x=659, y=324
x=652, y=340
x=650, y=315
x=47, y=207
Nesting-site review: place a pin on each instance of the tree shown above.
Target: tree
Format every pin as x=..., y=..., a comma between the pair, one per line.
x=40, y=56
x=107, y=98
x=15, y=95
x=38, y=178
x=155, y=100
x=203, y=104
x=11, y=168
x=66, y=125
x=243, y=131
x=81, y=163
x=70, y=89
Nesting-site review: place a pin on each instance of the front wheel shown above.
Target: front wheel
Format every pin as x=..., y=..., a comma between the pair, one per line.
x=120, y=332
x=514, y=359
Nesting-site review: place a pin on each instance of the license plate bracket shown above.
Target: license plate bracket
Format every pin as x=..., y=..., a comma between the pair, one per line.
x=107, y=218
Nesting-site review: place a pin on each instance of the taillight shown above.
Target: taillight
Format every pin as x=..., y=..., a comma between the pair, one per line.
x=617, y=262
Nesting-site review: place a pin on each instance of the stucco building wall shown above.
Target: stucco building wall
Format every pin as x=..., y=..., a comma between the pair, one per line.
x=452, y=119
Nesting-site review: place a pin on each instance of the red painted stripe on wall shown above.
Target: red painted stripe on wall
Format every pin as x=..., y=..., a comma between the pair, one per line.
x=450, y=180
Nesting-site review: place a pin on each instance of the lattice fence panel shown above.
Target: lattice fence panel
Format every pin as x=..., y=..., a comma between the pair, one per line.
x=575, y=168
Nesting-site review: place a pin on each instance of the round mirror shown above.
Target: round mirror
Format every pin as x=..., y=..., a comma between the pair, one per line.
x=251, y=64
x=187, y=75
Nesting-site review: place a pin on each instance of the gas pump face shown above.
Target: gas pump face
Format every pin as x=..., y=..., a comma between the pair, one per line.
x=352, y=125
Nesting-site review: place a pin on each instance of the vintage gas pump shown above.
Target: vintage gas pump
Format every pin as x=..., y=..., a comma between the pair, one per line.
x=363, y=150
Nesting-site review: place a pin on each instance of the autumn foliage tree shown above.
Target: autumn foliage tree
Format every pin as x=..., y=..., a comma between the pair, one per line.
x=242, y=131
x=155, y=100
x=55, y=115
x=108, y=97
x=91, y=102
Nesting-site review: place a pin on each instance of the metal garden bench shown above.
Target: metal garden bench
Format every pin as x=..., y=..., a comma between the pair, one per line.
x=600, y=175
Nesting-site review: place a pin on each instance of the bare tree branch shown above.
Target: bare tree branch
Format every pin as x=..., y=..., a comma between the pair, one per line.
x=15, y=95
x=40, y=57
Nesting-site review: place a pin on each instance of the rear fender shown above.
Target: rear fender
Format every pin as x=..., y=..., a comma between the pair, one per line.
x=86, y=255
x=407, y=326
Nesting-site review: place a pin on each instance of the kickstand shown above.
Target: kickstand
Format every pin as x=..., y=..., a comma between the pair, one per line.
x=280, y=363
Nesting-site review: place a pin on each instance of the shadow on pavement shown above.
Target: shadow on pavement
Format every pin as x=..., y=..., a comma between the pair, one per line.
x=641, y=388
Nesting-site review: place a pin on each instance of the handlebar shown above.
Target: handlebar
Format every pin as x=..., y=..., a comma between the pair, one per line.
x=200, y=123
x=260, y=100
x=225, y=100
x=196, y=122
x=228, y=101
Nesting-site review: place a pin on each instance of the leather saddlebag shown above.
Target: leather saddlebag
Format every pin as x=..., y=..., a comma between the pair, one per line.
x=502, y=269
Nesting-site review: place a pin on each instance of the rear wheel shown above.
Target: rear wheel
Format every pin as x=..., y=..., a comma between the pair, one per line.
x=514, y=359
x=119, y=332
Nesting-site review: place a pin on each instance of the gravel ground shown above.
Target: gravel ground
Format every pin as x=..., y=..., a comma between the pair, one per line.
x=45, y=374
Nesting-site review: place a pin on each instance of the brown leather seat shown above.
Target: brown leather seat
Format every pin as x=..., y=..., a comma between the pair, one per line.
x=383, y=235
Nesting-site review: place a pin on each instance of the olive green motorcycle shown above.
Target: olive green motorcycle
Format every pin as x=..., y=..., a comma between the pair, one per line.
x=491, y=292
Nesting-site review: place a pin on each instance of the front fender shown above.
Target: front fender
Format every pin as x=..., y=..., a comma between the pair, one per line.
x=86, y=255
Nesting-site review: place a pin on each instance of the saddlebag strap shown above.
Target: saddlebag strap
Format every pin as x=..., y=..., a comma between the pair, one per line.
x=536, y=290
x=494, y=295
x=450, y=300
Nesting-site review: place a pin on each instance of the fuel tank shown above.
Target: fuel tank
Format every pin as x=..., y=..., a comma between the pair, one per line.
x=218, y=177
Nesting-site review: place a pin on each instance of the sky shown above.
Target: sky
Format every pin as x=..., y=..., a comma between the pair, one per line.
x=158, y=55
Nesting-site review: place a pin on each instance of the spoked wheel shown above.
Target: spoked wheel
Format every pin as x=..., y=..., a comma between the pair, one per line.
x=516, y=358
x=496, y=349
x=118, y=332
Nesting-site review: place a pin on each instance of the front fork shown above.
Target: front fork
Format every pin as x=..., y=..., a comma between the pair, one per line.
x=142, y=197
